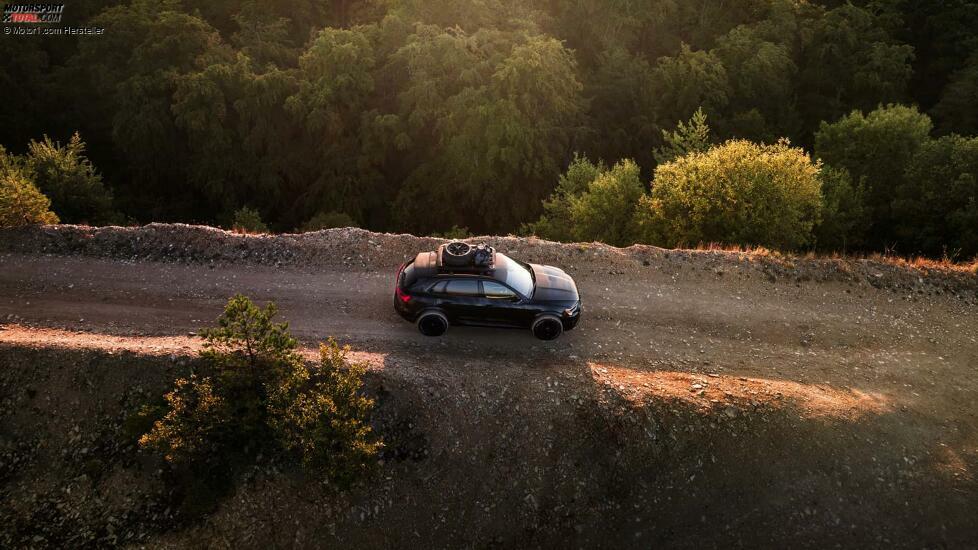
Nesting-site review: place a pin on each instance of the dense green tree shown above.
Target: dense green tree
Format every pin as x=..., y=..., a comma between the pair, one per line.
x=66, y=176
x=21, y=203
x=689, y=81
x=957, y=110
x=338, y=171
x=385, y=109
x=265, y=40
x=942, y=35
x=557, y=223
x=849, y=61
x=875, y=149
x=605, y=211
x=845, y=218
x=127, y=84
x=688, y=137
x=255, y=398
x=762, y=76
x=622, y=108
x=738, y=192
x=491, y=117
x=936, y=206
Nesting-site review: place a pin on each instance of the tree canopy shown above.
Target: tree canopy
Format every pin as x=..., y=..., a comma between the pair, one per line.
x=381, y=113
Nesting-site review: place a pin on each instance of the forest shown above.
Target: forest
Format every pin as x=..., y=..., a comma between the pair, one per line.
x=798, y=125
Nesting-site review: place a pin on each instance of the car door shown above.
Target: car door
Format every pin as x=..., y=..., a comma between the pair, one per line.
x=503, y=304
x=463, y=302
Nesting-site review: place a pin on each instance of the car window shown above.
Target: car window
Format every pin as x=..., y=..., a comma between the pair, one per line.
x=463, y=287
x=439, y=287
x=516, y=275
x=492, y=289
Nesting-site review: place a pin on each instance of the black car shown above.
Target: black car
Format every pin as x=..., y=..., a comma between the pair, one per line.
x=461, y=284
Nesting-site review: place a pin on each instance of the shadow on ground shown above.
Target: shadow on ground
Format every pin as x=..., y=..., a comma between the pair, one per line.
x=543, y=454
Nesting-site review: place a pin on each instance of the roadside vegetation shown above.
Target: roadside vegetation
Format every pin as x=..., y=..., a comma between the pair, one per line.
x=257, y=402
x=457, y=117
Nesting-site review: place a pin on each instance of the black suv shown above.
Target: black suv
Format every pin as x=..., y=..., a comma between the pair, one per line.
x=461, y=284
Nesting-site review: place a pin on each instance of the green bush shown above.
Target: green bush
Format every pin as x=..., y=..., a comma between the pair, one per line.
x=605, y=211
x=325, y=426
x=21, y=203
x=68, y=178
x=455, y=232
x=248, y=220
x=556, y=223
x=844, y=214
x=936, y=207
x=875, y=149
x=329, y=220
x=257, y=397
x=738, y=192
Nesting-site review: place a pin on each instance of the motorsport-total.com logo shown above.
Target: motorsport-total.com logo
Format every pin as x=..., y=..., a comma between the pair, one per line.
x=33, y=13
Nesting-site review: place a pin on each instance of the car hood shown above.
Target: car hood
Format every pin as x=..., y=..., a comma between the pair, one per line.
x=553, y=284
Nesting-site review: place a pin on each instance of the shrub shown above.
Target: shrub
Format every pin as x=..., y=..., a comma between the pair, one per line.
x=247, y=220
x=875, y=149
x=936, y=206
x=738, y=192
x=605, y=211
x=455, y=232
x=556, y=222
x=844, y=214
x=258, y=397
x=68, y=178
x=21, y=203
x=329, y=220
x=326, y=426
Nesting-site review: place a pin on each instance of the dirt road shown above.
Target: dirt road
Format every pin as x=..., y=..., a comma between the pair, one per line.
x=917, y=351
x=883, y=380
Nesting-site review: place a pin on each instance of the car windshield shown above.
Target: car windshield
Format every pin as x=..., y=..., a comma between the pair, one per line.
x=515, y=275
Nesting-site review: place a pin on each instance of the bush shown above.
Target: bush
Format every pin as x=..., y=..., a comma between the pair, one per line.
x=556, y=223
x=247, y=220
x=875, y=149
x=454, y=233
x=936, y=207
x=606, y=210
x=326, y=426
x=258, y=397
x=844, y=214
x=738, y=192
x=329, y=220
x=21, y=203
x=67, y=177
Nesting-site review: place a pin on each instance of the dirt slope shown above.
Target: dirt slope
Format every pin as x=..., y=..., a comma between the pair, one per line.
x=706, y=399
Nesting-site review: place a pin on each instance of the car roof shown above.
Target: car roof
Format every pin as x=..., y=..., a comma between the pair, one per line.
x=426, y=267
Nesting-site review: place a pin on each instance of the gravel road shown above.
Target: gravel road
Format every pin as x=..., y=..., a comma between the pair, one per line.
x=715, y=336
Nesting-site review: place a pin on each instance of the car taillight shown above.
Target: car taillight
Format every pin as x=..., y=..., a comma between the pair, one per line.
x=398, y=292
x=401, y=295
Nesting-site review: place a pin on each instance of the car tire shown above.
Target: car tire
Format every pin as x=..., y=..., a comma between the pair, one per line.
x=432, y=323
x=547, y=327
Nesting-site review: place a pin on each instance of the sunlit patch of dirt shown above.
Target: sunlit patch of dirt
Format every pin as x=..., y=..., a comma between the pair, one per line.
x=737, y=393
x=951, y=462
x=146, y=345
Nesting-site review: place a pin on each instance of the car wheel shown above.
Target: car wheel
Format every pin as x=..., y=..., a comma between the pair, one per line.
x=432, y=323
x=547, y=327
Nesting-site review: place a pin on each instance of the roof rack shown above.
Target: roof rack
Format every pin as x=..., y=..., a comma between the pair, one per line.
x=461, y=257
